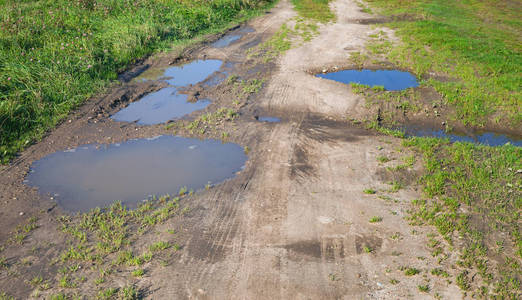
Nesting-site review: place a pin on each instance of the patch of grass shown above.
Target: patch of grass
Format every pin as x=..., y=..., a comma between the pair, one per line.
x=128, y=293
x=367, y=249
x=473, y=192
x=476, y=42
x=369, y=191
x=138, y=273
x=106, y=294
x=424, y=288
x=394, y=281
x=159, y=246
x=383, y=159
x=411, y=271
x=56, y=54
x=317, y=10
x=439, y=272
x=375, y=219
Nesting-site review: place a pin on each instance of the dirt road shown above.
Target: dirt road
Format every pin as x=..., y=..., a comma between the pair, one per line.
x=313, y=214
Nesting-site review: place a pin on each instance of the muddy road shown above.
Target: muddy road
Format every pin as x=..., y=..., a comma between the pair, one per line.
x=314, y=213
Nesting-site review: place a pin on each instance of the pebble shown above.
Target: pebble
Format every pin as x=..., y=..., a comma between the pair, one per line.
x=21, y=213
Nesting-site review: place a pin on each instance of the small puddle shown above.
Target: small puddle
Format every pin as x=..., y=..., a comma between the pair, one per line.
x=268, y=119
x=392, y=80
x=226, y=40
x=167, y=103
x=484, y=138
x=159, y=107
x=98, y=175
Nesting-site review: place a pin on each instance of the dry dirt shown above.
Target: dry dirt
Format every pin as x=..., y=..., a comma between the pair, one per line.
x=293, y=225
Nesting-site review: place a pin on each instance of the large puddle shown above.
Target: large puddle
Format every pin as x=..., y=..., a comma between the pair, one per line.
x=167, y=103
x=392, y=80
x=484, y=138
x=97, y=175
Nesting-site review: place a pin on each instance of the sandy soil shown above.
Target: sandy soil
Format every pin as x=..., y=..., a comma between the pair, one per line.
x=294, y=224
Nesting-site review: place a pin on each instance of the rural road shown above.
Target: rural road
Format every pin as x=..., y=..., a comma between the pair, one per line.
x=295, y=224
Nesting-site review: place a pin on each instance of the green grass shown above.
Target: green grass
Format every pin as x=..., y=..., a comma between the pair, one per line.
x=56, y=54
x=475, y=42
x=375, y=219
x=473, y=197
x=317, y=10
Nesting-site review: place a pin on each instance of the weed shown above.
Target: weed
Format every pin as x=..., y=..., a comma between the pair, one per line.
x=158, y=246
x=375, y=219
x=369, y=191
x=383, y=159
x=439, y=272
x=138, y=273
x=106, y=294
x=128, y=293
x=424, y=288
x=367, y=249
x=411, y=271
x=317, y=10
x=394, y=281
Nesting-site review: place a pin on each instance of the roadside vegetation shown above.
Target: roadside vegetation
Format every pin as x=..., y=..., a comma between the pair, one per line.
x=473, y=197
x=474, y=44
x=471, y=193
x=56, y=54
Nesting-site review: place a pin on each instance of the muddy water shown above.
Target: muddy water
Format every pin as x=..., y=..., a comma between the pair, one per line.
x=269, y=119
x=97, y=175
x=226, y=40
x=484, y=138
x=159, y=107
x=167, y=103
x=392, y=80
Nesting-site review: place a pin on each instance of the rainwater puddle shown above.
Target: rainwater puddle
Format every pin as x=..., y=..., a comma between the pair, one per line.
x=98, y=175
x=484, y=138
x=392, y=80
x=226, y=40
x=269, y=119
x=168, y=103
x=159, y=107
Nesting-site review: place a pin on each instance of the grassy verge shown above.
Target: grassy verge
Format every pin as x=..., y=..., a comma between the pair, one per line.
x=473, y=196
x=56, y=54
x=475, y=43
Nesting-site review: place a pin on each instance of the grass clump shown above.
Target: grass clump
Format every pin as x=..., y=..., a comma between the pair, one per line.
x=369, y=191
x=475, y=42
x=56, y=54
x=411, y=271
x=375, y=219
x=317, y=10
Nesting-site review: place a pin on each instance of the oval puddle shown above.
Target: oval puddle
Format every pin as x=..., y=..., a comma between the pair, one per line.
x=391, y=80
x=98, y=175
x=226, y=40
x=167, y=103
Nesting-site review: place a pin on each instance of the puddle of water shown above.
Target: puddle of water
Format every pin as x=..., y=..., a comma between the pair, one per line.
x=191, y=73
x=485, y=138
x=159, y=107
x=98, y=175
x=167, y=104
x=247, y=29
x=226, y=40
x=269, y=119
x=392, y=80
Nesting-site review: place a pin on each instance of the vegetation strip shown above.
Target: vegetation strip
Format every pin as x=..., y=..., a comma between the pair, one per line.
x=56, y=54
x=475, y=43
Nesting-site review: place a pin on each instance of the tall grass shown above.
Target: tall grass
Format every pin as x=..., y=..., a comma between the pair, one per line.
x=55, y=54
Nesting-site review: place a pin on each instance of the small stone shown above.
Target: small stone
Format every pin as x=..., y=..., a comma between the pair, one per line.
x=443, y=123
x=21, y=213
x=325, y=70
x=519, y=171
